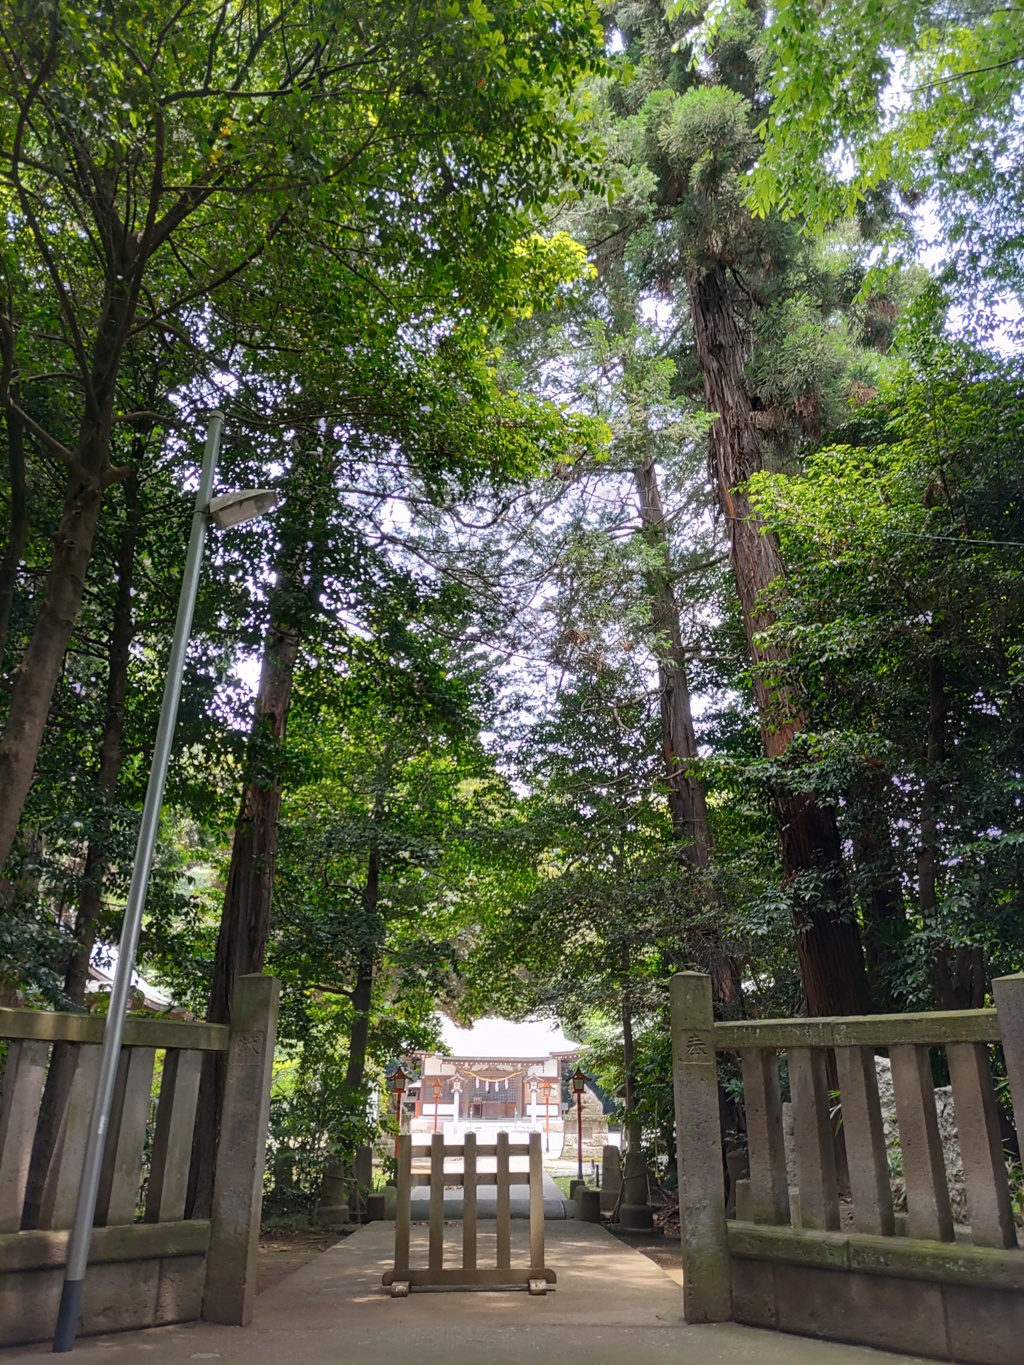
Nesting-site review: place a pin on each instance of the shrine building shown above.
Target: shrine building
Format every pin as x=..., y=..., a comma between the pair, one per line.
x=499, y=1073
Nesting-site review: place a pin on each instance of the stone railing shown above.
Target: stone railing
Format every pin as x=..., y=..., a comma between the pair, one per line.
x=148, y=1263
x=827, y=1255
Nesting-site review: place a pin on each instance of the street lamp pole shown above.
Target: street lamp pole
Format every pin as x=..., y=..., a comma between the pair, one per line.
x=235, y=509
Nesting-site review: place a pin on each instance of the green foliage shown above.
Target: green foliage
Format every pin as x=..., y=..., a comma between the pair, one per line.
x=905, y=545
x=917, y=95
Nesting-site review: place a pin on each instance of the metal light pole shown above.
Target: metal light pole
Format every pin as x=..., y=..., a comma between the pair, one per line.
x=437, y=1089
x=227, y=510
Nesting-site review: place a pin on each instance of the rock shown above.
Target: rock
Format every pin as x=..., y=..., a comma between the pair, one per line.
x=947, y=1133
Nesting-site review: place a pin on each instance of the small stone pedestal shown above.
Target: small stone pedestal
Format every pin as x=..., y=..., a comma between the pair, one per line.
x=635, y=1212
x=590, y=1204
x=637, y=1218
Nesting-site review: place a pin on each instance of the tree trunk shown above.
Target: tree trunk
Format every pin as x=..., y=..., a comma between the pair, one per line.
x=827, y=937
x=88, y=475
x=885, y=919
x=248, y=895
x=35, y=678
x=687, y=798
x=111, y=754
x=17, y=533
x=245, y=918
x=362, y=993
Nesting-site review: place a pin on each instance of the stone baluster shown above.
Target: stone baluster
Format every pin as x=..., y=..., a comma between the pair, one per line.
x=121, y=1173
x=762, y=1103
x=707, y=1276
x=24, y=1076
x=929, y=1215
x=813, y=1144
x=866, y=1155
x=989, y=1209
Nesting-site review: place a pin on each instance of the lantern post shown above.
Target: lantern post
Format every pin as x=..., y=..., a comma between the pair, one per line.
x=579, y=1084
x=399, y=1082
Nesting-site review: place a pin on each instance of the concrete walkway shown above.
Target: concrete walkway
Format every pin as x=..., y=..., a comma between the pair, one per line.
x=612, y=1305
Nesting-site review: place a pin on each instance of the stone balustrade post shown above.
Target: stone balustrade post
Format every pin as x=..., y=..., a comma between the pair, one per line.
x=1008, y=994
x=707, y=1282
x=241, y=1154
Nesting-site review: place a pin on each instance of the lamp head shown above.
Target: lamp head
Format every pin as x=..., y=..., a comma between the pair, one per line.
x=579, y=1081
x=232, y=509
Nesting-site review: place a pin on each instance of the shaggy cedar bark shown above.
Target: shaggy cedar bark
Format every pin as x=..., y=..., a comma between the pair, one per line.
x=245, y=920
x=248, y=894
x=828, y=941
x=687, y=798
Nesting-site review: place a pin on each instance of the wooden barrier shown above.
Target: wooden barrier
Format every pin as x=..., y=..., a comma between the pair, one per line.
x=536, y=1276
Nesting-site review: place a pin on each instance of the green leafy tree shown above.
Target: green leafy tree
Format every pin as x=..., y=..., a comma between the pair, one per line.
x=154, y=158
x=904, y=622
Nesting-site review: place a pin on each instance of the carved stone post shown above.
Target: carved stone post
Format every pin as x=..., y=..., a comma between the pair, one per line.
x=707, y=1282
x=241, y=1154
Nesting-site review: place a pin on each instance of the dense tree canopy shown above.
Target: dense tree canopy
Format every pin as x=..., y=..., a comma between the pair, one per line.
x=644, y=591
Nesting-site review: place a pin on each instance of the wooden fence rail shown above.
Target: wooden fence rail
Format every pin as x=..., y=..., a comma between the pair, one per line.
x=536, y=1276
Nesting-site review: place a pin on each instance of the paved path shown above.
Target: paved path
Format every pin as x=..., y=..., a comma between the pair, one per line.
x=612, y=1306
x=555, y=1205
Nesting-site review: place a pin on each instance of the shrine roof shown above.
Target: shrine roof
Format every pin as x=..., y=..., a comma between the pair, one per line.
x=503, y=1040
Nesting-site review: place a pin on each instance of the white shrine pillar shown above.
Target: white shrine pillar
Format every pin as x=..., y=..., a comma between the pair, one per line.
x=457, y=1102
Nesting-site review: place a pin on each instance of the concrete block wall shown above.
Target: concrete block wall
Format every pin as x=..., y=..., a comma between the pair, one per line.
x=970, y=1324
x=138, y=1277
